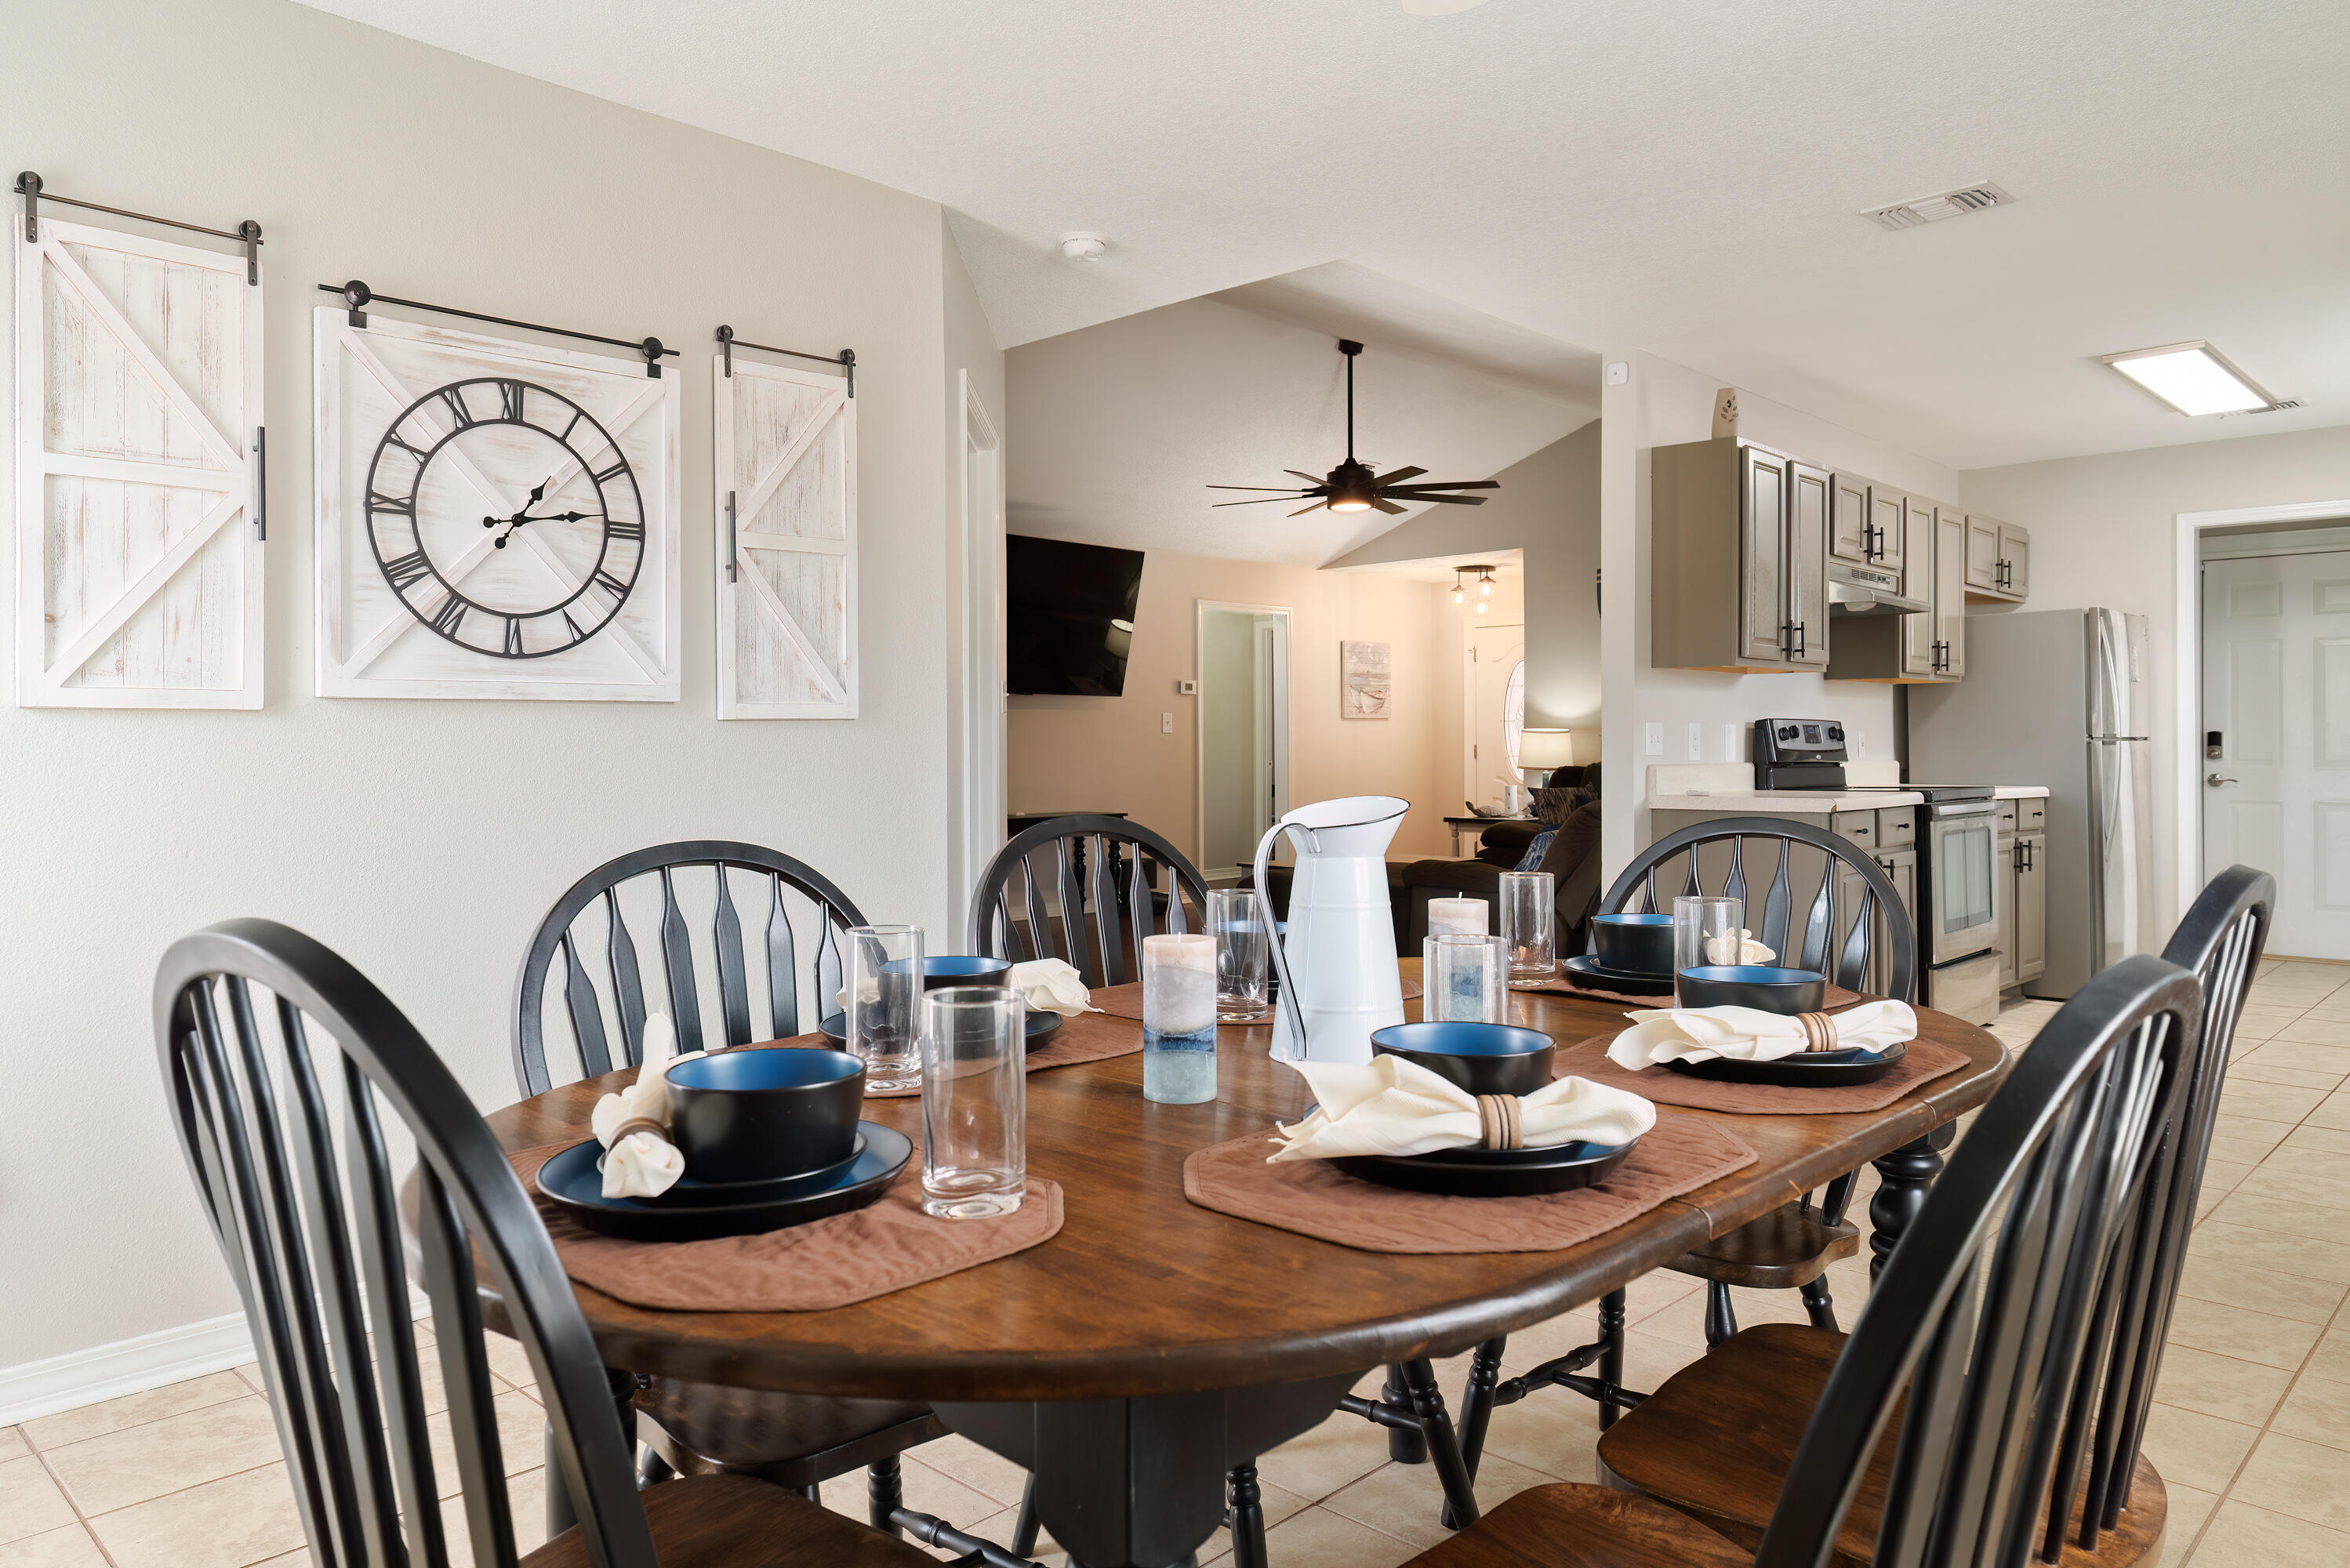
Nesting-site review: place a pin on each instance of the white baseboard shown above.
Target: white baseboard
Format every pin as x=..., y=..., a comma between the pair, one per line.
x=126, y=1366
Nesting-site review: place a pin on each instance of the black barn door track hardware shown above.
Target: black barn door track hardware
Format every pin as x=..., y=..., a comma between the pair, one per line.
x=357, y=296
x=246, y=234
x=845, y=358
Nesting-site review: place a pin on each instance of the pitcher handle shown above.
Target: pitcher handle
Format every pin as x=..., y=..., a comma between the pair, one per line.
x=1273, y=933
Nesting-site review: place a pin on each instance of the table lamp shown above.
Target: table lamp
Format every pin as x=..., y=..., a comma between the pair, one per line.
x=1541, y=751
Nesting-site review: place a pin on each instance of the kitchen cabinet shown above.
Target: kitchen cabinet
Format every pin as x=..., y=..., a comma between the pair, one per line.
x=1867, y=528
x=1903, y=648
x=1999, y=562
x=1900, y=867
x=1738, y=553
x=1949, y=594
x=2022, y=891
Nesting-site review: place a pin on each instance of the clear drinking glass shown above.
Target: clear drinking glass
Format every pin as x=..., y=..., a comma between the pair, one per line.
x=1467, y=978
x=1178, y=1019
x=974, y=1101
x=1237, y=923
x=884, y=999
x=1706, y=931
x=1529, y=927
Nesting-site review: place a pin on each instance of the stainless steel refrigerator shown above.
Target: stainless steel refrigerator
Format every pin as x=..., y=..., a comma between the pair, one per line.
x=2060, y=697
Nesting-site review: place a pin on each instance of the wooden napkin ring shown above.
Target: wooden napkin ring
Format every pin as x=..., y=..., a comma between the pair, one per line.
x=1819, y=1031
x=637, y=1125
x=1499, y=1122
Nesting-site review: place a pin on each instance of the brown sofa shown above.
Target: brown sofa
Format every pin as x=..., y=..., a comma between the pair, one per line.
x=1571, y=858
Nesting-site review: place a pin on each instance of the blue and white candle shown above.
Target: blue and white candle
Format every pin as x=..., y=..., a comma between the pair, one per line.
x=1178, y=1018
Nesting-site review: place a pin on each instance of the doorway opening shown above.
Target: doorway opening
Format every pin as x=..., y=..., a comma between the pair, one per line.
x=979, y=826
x=1243, y=742
x=1495, y=707
x=2272, y=742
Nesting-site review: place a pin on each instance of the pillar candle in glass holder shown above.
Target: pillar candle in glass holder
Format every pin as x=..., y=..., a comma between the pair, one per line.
x=1467, y=978
x=1465, y=916
x=1178, y=1018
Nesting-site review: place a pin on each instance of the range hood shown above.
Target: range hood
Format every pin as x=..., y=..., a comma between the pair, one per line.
x=1869, y=590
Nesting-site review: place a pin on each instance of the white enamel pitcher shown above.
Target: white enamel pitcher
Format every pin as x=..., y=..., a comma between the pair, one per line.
x=1338, y=964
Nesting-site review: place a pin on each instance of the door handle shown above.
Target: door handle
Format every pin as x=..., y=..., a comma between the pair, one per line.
x=2215, y=781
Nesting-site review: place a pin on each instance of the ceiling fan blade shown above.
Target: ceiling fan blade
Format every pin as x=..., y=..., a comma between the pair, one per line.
x=1304, y=510
x=1308, y=478
x=1451, y=500
x=1260, y=500
x=1389, y=507
x=1283, y=489
x=1449, y=484
x=1399, y=473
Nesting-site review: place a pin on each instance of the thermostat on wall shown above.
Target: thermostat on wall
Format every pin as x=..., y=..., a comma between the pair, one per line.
x=1187, y=689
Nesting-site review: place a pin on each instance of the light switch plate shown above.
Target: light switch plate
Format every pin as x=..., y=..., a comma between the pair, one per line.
x=1733, y=742
x=1656, y=740
x=1166, y=723
x=1697, y=742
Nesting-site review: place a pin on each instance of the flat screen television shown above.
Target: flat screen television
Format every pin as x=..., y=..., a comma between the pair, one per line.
x=1068, y=616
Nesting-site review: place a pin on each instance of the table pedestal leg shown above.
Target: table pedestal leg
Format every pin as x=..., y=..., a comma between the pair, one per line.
x=1903, y=1177
x=1140, y=1483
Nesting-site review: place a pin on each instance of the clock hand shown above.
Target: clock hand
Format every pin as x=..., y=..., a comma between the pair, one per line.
x=499, y=541
x=535, y=497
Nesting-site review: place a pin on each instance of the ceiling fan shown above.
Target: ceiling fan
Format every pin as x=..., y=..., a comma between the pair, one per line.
x=1351, y=486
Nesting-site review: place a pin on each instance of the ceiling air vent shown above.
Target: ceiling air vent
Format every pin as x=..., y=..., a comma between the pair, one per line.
x=1935, y=208
x=2277, y=407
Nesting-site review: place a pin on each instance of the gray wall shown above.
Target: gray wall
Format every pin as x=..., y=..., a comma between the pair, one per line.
x=364, y=821
x=1548, y=506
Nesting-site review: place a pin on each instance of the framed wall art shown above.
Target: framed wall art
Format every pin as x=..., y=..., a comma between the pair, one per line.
x=1365, y=683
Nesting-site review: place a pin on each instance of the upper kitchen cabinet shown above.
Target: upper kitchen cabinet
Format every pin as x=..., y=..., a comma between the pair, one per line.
x=1950, y=593
x=1897, y=648
x=1738, y=549
x=1999, y=562
x=1867, y=528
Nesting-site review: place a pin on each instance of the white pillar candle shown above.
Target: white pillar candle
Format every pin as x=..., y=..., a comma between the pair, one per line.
x=1179, y=982
x=1465, y=917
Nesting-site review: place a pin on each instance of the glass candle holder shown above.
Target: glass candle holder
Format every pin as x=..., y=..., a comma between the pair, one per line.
x=1178, y=1019
x=883, y=1000
x=1467, y=978
x=1529, y=926
x=974, y=1101
x=1704, y=928
x=1237, y=923
x=1468, y=916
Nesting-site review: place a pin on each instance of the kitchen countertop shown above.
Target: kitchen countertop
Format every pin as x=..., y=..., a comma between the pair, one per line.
x=2019, y=792
x=1727, y=789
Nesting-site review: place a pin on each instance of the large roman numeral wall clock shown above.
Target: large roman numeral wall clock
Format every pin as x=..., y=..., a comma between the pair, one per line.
x=495, y=519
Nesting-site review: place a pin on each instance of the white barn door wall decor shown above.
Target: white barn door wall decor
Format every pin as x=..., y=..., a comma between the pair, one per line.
x=786, y=543
x=495, y=519
x=138, y=396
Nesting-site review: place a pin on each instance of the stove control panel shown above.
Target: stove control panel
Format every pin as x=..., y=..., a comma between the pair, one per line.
x=1799, y=741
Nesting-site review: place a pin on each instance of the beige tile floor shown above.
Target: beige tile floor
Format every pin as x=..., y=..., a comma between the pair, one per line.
x=2251, y=1433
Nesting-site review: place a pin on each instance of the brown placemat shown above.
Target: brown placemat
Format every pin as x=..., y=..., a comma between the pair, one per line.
x=1087, y=1037
x=1311, y=1197
x=885, y=1246
x=1126, y=1001
x=1836, y=996
x=1925, y=1061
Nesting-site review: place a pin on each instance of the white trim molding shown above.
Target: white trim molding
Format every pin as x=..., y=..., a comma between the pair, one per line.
x=132, y=1366
x=2187, y=695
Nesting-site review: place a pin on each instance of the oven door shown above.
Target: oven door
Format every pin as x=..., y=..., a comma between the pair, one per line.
x=1961, y=841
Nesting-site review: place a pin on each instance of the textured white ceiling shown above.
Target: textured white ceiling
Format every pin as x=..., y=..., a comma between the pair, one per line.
x=1677, y=177
x=1117, y=430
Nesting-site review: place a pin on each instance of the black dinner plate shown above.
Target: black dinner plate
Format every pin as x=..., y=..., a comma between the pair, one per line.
x=692, y=1194
x=1490, y=1173
x=1043, y=1025
x=576, y=1187
x=1589, y=972
x=1804, y=1070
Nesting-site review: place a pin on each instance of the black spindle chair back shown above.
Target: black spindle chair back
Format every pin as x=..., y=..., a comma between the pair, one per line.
x=780, y=882
x=1035, y=899
x=1987, y=1311
x=286, y=1137
x=2219, y=942
x=1878, y=927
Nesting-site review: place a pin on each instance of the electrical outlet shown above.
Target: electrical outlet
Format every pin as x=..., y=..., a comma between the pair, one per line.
x=1858, y=741
x=1656, y=740
x=1733, y=742
x=1697, y=742
x=1166, y=723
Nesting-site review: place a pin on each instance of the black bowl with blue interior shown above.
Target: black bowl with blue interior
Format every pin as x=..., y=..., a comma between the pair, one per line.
x=753, y=1116
x=941, y=970
x=1481, y=1058
x=1761, y=986
x=1634, y=944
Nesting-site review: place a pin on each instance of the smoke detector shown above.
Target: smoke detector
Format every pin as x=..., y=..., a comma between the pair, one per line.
x=1082, y=247
x=1924, y=210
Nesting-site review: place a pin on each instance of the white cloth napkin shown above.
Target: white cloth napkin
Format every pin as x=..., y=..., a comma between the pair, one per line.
x=1391, y=1106
x=1748, y=950
x=1749, y=1034
x=1052, y=985
x=643, y=1164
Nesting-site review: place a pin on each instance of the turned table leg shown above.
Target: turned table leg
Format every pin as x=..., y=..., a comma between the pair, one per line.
x=1903, y=1177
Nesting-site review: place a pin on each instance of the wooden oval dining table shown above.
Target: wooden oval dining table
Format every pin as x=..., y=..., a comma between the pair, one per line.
x=1151, y=1345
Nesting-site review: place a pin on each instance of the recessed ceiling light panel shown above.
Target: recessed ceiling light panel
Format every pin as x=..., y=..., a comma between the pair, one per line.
x=2193, y=377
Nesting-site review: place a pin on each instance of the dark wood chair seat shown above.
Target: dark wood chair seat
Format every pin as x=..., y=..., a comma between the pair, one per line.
x=792, y=1440
x=730, y=1521
x=1581, y=1527
x=1789, y=1246
x=1717, y=1439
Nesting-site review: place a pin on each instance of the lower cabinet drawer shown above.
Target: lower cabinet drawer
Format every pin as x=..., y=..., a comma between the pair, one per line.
x=1860, y=826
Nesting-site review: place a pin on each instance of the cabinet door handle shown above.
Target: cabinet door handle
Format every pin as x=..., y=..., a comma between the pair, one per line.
x=1802, y=640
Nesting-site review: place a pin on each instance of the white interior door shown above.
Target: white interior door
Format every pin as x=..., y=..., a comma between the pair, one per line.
x=138, y=395
x=2276, y=688
x=1497, y=661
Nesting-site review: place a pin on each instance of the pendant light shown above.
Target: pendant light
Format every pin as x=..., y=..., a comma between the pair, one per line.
x=1485, y=584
